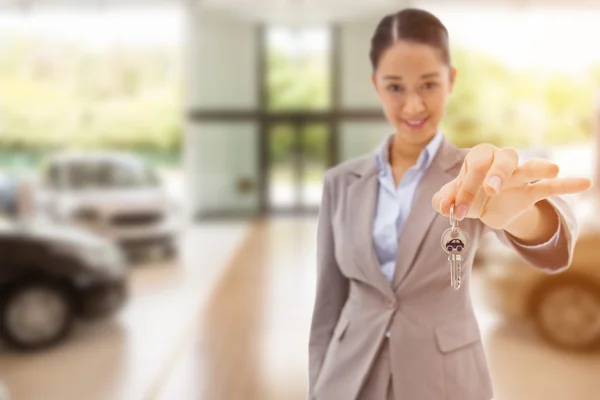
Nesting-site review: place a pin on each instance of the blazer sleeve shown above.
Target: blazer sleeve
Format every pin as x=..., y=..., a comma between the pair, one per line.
x=331, y=289
x=555, y=255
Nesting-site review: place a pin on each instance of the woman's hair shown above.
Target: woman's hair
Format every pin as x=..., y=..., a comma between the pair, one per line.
x=412, y=25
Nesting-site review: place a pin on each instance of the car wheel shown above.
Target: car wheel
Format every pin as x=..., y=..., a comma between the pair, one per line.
x=566, y=312
x=36, y=314
x=449, y=248
x=459, y=248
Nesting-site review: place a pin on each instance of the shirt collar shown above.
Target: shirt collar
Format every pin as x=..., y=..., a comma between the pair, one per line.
x=423, y=162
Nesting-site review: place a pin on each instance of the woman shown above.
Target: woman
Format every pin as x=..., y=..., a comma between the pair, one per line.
x=386, y=322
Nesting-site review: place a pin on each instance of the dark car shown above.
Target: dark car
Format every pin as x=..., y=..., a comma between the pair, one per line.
x=52, y=274
x=455, y=244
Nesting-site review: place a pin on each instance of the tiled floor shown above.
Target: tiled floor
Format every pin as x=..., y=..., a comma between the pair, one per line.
x=245, y=337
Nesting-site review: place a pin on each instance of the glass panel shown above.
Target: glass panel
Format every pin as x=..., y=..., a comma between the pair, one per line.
x=315, y=160
x=282, y=166
x=221, y=164
x=298, y=69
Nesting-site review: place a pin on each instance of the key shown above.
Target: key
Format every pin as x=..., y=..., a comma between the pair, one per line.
x=455, y=242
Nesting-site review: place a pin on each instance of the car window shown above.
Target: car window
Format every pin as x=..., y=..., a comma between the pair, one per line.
x=110, y=175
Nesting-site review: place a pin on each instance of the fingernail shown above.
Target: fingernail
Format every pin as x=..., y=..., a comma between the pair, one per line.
x=461, y=212
x=495, y=183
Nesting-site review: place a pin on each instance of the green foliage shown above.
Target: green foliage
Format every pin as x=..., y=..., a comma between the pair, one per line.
x=491, y=103
x=57, y=94
x=60, y=94
x=302, y=83
x=313, y=143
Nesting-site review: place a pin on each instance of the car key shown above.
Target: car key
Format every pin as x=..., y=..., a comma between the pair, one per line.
x=454, y=242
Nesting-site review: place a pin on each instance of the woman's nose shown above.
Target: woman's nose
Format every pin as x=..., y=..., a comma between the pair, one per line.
x=413, y=105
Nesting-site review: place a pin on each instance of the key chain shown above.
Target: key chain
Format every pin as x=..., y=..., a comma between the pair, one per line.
x=454, y=243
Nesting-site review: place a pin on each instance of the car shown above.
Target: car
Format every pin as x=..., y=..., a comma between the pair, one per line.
x=114, y=194
x=564, y=307
x=51, y=275
x=455, y=244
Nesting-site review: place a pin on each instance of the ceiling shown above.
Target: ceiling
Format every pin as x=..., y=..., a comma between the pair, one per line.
x=292, y=10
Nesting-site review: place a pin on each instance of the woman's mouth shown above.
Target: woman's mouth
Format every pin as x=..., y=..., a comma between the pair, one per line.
x=415, y=123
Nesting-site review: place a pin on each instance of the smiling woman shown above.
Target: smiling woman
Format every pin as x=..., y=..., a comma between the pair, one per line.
x=389, y=322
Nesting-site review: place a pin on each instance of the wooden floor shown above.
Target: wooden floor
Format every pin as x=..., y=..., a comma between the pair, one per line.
x=239, y=331
x=251, y=340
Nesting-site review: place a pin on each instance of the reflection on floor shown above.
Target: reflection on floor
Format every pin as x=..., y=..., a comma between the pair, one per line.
x=246, y=337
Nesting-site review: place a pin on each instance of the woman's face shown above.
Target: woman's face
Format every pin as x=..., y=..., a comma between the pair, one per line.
x=413, y=83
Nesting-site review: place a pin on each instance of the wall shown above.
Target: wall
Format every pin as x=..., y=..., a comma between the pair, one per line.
x=220, y=75
x=356, y=89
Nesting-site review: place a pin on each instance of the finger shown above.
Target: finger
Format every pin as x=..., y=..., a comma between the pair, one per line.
x=532, y=170
x=442, y=200
x=505, y=163
x=475, y=167
x=558, y=186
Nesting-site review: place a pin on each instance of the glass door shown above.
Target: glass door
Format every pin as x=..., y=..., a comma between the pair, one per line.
x=282, y=167
x=298, y=156
x=315, y=157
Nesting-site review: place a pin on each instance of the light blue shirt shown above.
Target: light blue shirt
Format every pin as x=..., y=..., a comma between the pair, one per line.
x=394, y=203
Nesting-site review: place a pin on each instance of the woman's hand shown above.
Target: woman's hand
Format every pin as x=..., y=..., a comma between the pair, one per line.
x=494, y=188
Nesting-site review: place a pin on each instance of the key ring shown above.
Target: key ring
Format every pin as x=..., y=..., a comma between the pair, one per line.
x=453, y=223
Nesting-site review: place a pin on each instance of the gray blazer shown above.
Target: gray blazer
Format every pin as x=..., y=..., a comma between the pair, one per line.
x=436, y=346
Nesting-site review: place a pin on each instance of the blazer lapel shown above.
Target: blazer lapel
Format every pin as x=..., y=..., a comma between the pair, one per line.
x=360, y=214
x=422, y=214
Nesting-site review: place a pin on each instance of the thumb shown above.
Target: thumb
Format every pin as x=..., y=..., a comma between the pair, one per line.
x=445, y=197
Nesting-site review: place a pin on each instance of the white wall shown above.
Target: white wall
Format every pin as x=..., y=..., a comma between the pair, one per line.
x=356, y=88
x=220, y=74
x=357, y=91
x=221, y=61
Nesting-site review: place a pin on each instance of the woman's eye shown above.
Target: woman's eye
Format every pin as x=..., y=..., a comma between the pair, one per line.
x=430, y=85
x=394, y=88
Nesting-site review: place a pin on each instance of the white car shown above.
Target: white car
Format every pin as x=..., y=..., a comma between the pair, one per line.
x=113, y=194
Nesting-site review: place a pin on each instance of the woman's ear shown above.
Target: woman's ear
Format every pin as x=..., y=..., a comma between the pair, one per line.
x=452, y=78
x=374, y=81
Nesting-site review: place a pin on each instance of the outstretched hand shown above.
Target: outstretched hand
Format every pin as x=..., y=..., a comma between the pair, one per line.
x=494, y=188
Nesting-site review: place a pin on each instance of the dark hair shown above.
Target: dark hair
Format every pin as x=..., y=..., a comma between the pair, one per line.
x=413, y=25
